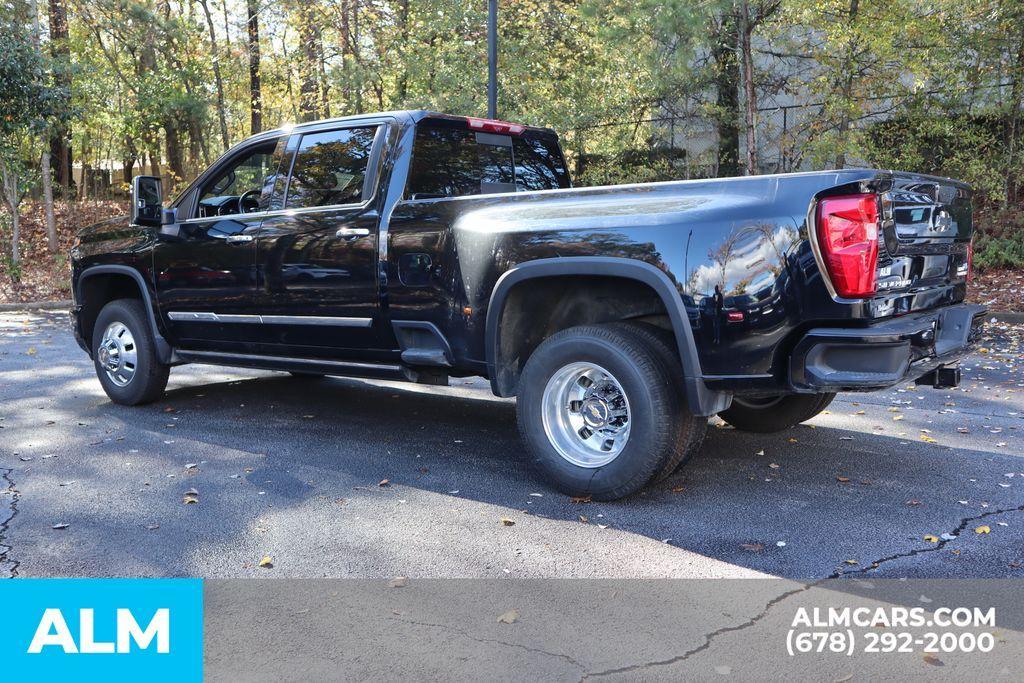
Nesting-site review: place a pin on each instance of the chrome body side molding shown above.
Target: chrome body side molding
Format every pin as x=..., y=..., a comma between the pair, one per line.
x=209, y=317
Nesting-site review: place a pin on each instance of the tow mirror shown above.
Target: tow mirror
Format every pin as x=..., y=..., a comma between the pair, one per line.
x=147, y=200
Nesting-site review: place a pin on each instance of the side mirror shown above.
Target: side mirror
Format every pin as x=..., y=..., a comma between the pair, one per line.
x=147, y=200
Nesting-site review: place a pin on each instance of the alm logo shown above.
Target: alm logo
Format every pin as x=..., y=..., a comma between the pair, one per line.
x=53, y=631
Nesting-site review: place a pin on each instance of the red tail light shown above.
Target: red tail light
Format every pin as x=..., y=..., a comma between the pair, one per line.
x=848, y=241
x=492, y=126
x=734, y=316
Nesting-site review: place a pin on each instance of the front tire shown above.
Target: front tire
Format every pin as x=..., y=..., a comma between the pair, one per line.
x=124, y=354
x=773, y=414
x=600, y=413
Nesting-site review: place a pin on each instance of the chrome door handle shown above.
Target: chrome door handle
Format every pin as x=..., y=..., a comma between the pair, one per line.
x=352, y=232
x=235, y=239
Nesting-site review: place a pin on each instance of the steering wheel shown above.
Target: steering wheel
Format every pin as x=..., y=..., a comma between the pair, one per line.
x=252, y=197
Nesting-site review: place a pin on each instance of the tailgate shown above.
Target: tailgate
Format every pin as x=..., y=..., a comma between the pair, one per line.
x=926, y=229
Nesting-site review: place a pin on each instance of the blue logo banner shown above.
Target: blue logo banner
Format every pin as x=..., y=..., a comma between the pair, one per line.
x=102, y=629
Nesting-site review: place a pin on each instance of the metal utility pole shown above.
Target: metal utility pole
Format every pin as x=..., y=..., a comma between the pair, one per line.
x=492, y=59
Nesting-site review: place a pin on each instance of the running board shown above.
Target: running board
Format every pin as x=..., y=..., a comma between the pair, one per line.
x=315, y=365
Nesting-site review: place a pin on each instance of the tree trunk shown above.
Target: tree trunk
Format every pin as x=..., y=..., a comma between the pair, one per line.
x=44, y=161
x=309, y=72
x=255, y=95
x=10, y=191
x=750, y=94
x=727, y=85
x=51, y=224
x=221, y=114
x=847, y=90
x=60, y=136
x=1013, y=132
x=175, y=157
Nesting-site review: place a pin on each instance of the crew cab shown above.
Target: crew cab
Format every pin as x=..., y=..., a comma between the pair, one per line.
x=420, y=246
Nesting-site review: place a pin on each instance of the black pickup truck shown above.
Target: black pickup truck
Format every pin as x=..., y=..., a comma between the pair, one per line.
x=421, y=246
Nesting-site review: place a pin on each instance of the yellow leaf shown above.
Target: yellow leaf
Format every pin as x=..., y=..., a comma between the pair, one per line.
x=507, y=522
x=927, y=439
x=31, y=351
x=983, y=529
x=266, y=562
x=931, y=539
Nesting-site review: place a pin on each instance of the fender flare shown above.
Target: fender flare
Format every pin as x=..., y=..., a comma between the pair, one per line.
x=164, y=351
x=701, y=400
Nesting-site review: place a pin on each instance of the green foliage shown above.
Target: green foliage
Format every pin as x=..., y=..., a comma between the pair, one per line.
x=999, y=240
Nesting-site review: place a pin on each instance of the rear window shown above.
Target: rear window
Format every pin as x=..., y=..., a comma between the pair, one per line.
x=449, y=160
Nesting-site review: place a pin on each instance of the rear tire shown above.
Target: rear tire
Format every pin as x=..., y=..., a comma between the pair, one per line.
x=124, y=354
x=773, y=414
x=599, y=412
x=692, y=428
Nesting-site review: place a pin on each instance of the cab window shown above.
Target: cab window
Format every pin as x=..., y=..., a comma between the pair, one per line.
x=450, y=160
x=330, y=168
x=245, y=185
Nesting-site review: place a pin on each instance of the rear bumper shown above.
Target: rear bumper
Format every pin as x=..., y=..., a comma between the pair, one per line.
x=883, y=354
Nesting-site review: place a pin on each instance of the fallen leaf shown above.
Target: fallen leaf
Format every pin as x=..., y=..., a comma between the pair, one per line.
x=384, y=482
x=398, y=582
x=583, y=518
x=752, y=547
x=774, y=465
x=60, y=526
x=933, y=660
x=152, y=527
x=191, y=497
x=931, y=539
x=508, y=522
x=842, y=480
x=266, y=562
x=983, y=529
x=850, y=561
x=913, y=502
x=509, y=617
x=677, y=489
x=579, y=499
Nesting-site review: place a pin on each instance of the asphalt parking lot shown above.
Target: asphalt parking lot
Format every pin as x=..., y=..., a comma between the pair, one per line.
x=351, y=478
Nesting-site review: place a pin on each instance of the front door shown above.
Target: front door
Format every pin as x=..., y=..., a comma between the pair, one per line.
x=317, y=258
x=206, y=282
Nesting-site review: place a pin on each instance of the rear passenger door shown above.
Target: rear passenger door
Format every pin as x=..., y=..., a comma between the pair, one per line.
x=317, y=258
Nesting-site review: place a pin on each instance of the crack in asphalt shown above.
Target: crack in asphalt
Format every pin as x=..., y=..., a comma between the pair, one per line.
x=942, y=543
x=6, y=548
x=838, y=574
x=708, y=638
x=478, y=639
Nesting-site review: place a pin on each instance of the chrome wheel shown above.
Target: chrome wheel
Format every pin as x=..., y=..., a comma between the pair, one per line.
x=585, y=414
x=117, y=354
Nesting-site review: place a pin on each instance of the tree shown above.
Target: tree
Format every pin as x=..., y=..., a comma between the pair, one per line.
x=27, y=103
x=44, y=160
x=215, y=55
x=255, y=96
x=60, y=136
